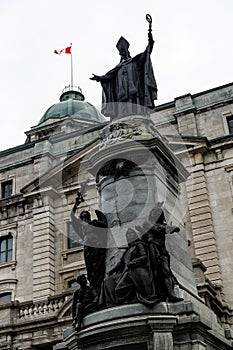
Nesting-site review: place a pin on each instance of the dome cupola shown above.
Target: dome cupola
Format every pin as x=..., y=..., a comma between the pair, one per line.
x=72, y=104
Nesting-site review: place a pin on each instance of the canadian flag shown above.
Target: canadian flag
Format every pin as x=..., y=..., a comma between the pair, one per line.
x=66, y=50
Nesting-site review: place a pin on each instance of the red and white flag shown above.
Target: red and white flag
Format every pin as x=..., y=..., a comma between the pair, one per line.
x=66, y=50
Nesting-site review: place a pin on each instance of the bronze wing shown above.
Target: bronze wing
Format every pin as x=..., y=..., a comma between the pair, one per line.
x=101, y=217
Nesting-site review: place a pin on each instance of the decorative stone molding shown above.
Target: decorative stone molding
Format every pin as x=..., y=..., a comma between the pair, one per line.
x=133, y=127
x=166, y=326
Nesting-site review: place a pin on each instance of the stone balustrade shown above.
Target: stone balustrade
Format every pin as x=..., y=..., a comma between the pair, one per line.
x=41, y=308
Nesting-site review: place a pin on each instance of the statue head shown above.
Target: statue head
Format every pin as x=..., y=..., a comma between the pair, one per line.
x=131, y=235
x=123, y=48
x=157, y=215
x=85, y=215
x=81, y=280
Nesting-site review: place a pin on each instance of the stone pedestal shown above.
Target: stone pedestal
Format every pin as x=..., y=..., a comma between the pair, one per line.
x=181, y=326
x=135, y=169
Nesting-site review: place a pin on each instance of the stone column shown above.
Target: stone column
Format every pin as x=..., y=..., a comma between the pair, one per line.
x=163, y=341
x=162, y=331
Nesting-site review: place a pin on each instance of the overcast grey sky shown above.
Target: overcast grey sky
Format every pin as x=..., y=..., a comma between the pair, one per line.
x=192, y=52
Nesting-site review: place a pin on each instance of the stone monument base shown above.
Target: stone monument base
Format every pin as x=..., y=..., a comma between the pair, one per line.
x=186, y=325
x=135, y=169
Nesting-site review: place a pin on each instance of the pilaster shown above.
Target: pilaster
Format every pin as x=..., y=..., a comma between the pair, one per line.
x=204, y=240
x=43, y=248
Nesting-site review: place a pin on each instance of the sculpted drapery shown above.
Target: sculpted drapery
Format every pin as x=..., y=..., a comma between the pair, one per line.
x=130, y=87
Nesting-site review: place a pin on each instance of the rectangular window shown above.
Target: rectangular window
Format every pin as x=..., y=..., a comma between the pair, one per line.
x=6, y=188
x=6, y=247
x=72, y=283
x=73, y=239
x=230, y=124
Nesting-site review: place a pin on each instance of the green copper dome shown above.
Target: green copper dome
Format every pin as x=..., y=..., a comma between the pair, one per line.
x=72, y=104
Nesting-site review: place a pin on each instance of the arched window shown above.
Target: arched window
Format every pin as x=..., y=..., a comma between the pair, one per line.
x=5, y=296
x=6, y=248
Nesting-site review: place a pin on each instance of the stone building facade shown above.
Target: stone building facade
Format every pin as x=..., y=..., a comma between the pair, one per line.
x=204, y=121
x=39, y=255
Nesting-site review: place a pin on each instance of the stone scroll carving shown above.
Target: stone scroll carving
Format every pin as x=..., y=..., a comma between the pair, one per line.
x=130, y=128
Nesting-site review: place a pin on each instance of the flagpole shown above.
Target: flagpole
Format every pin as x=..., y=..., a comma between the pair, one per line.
x=71, y=67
